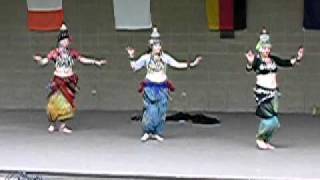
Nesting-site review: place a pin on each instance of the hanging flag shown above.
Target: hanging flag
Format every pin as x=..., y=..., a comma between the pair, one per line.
x=311, y=15
x=212, y=7
x=226, y=15
x=45, y=15
x=132, y=14
x=240, y=14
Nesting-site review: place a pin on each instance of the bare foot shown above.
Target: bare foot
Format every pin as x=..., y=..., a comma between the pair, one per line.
x=158, y=137
x=65, y=129
x=261, y=144
x=145, y=137
x=51, y=128
x=269, y=146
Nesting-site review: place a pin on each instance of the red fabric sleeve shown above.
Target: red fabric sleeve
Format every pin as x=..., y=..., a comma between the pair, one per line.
x=53, y=54
x=74, y=54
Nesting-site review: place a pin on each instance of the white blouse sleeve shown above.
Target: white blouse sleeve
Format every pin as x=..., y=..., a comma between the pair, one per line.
x=172, y=62
x=140, y=63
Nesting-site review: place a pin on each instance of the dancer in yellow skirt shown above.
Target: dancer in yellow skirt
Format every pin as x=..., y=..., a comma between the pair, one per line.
x=63, y=86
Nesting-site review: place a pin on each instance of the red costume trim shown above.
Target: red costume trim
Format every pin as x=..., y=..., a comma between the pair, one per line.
x=169, y=83
x=67, y=86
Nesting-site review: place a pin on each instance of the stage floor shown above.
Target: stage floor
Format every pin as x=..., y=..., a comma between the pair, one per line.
x=106, y=144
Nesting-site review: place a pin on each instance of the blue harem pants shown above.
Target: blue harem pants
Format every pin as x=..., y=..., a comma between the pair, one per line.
x=155, y=98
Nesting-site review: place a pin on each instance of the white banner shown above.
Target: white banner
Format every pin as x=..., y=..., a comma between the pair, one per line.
x=132, y=14
x=44, y=5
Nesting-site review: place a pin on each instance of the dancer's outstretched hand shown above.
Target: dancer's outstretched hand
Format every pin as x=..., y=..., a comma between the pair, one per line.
x=250, y=56
x=300, y=53
x=101, y=62
x=37, y=58
x=130, y=51
x=197, y=61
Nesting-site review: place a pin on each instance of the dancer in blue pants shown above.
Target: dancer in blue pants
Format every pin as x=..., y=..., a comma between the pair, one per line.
x=155, y=87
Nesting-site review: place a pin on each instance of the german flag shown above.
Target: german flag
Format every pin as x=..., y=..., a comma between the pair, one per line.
x=226, y=15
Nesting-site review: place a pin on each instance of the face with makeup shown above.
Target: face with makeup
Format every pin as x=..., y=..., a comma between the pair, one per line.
x=64, y=43
x=156, y=48
x=266, y=50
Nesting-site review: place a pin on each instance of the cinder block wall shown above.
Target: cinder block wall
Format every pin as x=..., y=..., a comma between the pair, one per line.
x=219, y=84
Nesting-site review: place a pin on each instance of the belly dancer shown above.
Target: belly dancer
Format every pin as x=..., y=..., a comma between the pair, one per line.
x=156, y=86
x=265, y=65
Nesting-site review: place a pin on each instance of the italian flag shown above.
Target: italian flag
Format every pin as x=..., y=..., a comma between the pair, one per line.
x=45, y=15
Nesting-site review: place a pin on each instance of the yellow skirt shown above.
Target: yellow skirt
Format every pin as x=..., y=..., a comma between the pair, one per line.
x=59, y=109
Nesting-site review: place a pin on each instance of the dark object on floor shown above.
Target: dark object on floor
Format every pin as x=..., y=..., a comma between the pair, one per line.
x=197, y=118
x=204, y=119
